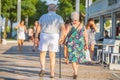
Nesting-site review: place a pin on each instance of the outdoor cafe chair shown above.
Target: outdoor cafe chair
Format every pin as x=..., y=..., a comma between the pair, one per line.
x=104, y=53
x=115, y=56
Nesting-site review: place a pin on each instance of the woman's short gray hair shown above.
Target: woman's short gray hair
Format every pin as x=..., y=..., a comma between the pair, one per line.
x=75, y=16
x=52, y=7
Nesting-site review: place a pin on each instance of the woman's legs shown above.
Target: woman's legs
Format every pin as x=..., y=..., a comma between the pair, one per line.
x=19, y=44
x=91, y=50
x=35, y=44
x=22, y=41
x=75, y=68
x=66, y=54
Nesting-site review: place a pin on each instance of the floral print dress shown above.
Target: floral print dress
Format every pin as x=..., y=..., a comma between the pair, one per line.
x=75, y=44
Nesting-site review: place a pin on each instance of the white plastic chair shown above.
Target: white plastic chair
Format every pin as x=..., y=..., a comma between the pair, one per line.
x=115, y=56
x=107, y=50
x=99, y=53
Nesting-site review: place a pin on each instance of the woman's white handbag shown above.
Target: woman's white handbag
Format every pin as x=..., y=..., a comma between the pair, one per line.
x=87, y=53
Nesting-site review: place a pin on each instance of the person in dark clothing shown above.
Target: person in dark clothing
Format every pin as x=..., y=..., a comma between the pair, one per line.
x=106, y=34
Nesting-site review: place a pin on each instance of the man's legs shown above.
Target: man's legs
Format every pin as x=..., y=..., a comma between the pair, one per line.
x=48, y=43
x=42, y=59
x=52, y=63
x=42, y=63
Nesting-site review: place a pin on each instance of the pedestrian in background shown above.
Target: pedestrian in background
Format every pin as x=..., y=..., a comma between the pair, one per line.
x=36, y=34
x=67, y=29
x=77, y=42
x=51, y=25
x=91, y=31
x=106, y=36
x=21, y=29
x=30, y=34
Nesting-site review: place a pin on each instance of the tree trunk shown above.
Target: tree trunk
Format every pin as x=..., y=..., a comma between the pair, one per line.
x=11, y=28
x=6, y=24
x=26, y=21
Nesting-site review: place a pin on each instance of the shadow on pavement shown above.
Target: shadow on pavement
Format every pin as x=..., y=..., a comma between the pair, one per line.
x=15, y=64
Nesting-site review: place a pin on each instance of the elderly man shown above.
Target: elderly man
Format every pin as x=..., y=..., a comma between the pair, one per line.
x=51, y=26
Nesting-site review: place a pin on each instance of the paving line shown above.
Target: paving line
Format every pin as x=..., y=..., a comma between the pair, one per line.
x=116, y=75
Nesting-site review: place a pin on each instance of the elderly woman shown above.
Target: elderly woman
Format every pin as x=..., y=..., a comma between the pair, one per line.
x=76, y=43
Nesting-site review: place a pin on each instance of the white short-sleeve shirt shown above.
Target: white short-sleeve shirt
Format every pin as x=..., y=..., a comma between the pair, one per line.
x=51, y=23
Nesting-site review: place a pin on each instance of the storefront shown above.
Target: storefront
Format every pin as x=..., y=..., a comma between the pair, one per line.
x=107, y=17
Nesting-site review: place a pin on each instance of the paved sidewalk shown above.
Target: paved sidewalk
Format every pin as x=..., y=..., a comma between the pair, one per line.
x=25, y=65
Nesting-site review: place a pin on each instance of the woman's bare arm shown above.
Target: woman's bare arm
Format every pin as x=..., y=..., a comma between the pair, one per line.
x=94, y=26
x=66, y=31
x=86, y=38
x=25, y=29
x=38, y=31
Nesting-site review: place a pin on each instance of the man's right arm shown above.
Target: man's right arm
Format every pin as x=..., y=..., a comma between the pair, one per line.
x=62, y=28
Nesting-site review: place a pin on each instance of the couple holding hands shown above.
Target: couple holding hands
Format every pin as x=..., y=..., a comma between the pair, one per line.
x=78, y=37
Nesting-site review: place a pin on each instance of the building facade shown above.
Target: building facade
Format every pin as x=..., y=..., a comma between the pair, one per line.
x=107, y=17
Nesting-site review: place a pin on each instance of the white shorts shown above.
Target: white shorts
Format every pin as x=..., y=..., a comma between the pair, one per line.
x=49, y=42
x=21, y=36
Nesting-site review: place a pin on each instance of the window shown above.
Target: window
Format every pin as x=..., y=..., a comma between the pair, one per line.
x=111, y=2
x=118, y=25
x=107, y=26
x=97, y=22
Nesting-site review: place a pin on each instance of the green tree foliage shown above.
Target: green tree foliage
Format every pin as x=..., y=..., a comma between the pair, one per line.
x=8, y=29
x=107, y=23
x=13, y=15
x=6, y=6
x=27, y=8
x=65, y=8
x=9, y=10
x=41, y=8
x=94, y=0
x=13, y=11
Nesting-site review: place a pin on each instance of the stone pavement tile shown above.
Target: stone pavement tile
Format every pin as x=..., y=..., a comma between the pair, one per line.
x=118, y=74
x=26, y=66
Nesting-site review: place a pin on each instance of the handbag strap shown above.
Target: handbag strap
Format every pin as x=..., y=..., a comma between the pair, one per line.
x=71, y=32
